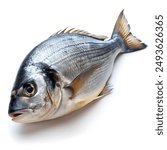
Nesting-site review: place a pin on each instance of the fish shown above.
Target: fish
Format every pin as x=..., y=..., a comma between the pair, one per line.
x=67, y=71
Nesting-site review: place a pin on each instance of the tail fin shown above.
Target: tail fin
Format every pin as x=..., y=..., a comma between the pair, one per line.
x=122, y=28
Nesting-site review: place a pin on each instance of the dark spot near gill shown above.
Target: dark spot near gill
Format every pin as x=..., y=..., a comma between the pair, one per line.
x=50, y=75
x=51, y=79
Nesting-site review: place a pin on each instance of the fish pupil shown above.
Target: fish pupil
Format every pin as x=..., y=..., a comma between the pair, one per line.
x=29, y=89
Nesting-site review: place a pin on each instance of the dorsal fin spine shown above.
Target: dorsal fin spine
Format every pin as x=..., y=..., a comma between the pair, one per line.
x=78, y=31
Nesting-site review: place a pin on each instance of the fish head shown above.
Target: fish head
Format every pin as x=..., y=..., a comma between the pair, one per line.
x=34, y=96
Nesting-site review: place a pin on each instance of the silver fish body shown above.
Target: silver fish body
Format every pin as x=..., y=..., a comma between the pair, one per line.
x=67, y=71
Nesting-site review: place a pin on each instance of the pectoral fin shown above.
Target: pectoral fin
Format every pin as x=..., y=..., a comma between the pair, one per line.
x=81, y=82
x=82, y=102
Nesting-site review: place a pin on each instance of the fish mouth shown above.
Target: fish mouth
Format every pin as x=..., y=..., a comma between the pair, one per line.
x=16, y=114
x=19, y=113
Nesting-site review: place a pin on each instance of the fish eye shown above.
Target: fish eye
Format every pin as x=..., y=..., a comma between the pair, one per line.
x=29, y=89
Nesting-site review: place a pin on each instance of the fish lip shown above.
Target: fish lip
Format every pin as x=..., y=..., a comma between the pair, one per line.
x=19, y=113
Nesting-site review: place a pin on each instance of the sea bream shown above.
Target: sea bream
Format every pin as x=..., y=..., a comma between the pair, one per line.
x=67, y=71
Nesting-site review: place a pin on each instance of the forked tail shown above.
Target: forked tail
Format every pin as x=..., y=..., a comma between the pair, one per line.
x=122, y=30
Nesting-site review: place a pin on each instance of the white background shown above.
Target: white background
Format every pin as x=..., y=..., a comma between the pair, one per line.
x=123, y=120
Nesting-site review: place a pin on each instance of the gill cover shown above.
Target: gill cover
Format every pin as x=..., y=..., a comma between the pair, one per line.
x=54, y=85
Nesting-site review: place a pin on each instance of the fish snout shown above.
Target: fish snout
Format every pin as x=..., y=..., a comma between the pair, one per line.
x=16, y=106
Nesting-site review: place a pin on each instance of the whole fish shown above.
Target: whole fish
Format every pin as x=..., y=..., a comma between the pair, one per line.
x=67, y=71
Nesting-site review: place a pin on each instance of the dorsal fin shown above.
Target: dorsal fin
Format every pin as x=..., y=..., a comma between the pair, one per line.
x=78, y=31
